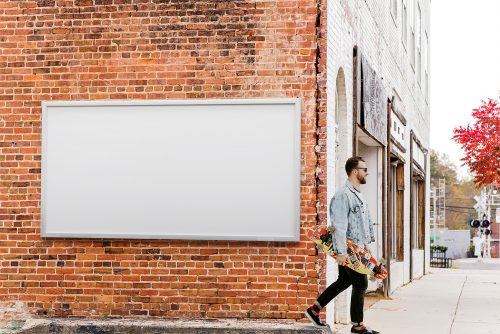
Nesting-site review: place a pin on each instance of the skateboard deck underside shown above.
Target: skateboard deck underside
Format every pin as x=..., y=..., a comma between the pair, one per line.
x=358, y=259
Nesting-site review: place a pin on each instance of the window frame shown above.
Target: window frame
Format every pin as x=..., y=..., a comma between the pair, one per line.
x=418, y=214
x=426, y=66
x=397, y=211
x=404, y=23
x=394, y=11
x=394, y=252
x=418, y=53
x=412, y=34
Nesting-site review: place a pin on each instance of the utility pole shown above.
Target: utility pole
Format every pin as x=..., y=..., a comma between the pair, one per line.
x=482, y=206
x=441, y=201
x=438, y=208
x=433, y=214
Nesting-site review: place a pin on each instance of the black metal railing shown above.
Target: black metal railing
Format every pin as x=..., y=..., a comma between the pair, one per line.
x=439, y=259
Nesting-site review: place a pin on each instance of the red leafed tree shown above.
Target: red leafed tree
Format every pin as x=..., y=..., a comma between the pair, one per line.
x=481, y=143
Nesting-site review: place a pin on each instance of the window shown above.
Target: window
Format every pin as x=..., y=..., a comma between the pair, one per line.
x=411, y=6
x=425, y=52
x=397, y=213
x=393, y=213
x=419, y=45
x=414, y=218
x=404, y=22
x=418, y=219
x=394, y=10
x=411, y=13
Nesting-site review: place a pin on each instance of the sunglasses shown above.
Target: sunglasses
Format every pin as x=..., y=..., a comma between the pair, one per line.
x=363, y=168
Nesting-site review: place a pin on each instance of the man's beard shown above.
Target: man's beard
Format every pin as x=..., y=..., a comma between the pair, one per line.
x=362, y=180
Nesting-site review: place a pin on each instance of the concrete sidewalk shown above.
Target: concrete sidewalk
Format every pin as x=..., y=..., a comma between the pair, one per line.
x=446, y=301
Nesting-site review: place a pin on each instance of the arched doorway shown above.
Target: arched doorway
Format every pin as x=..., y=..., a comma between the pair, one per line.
x=340, y=126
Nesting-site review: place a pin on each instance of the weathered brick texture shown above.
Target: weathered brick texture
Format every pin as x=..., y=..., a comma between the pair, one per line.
x=155, y=49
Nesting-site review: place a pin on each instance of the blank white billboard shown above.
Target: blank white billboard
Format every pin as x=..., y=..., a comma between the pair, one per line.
x=190, y=169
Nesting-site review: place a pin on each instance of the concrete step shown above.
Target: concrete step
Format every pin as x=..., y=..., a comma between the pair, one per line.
x=122, y=326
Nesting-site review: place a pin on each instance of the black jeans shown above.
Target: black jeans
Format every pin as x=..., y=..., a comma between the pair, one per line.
x=359, y=283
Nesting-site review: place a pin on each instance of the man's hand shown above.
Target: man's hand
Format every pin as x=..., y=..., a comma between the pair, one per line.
x=341, y=259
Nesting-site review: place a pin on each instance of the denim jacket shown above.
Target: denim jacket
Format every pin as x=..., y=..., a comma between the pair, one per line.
x=347, y=216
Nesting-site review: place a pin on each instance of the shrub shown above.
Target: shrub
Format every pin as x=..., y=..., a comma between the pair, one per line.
x=437, y=248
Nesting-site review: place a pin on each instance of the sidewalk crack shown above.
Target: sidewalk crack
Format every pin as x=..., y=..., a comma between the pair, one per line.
x=458, y=302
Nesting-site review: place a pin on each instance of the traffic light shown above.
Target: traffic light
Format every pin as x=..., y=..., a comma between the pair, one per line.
x=474, y=223
x=483, y=225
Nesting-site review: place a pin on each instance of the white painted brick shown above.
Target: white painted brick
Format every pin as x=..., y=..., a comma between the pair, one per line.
x=369, y=25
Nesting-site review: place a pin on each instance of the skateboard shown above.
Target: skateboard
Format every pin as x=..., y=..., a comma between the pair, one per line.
x=358, y=258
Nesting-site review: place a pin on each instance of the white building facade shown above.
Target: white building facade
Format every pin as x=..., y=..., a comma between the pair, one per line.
x=378, y=108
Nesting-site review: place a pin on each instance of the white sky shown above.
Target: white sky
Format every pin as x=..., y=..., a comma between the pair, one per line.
x=464, y=66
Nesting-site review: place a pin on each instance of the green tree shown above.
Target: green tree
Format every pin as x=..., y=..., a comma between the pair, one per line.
x=442, y=167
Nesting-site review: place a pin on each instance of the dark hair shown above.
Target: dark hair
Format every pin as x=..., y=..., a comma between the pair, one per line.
x=352, y=163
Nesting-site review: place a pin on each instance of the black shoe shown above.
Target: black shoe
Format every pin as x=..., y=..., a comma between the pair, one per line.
x=363, y=330
x=314, y=318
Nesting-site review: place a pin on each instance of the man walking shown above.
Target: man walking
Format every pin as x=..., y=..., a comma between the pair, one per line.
x=351, y=219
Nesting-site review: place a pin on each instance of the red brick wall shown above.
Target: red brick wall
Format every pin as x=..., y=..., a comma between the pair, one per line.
x=155, y=49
